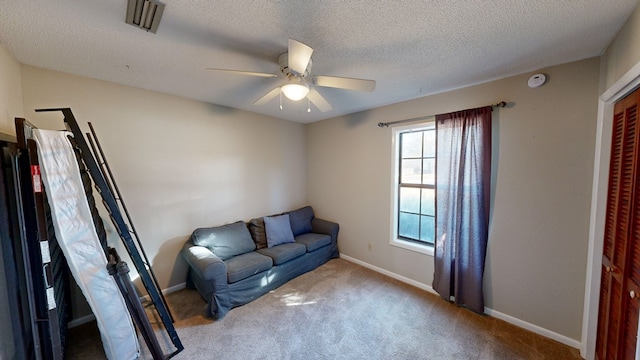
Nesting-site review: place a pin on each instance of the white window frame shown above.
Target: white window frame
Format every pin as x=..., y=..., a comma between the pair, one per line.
x=395, y=173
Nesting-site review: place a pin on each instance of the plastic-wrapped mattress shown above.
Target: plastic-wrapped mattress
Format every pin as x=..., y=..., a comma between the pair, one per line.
x=79, y=242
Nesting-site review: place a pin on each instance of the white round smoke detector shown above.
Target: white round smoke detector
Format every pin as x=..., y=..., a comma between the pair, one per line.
x=537, y=80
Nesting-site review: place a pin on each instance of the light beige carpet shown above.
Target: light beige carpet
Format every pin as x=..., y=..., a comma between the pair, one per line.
x=338, y=311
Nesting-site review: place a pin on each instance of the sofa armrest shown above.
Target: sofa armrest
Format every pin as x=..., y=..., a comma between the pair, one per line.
x=208, y=274
x=205, y=263
x=320, y=226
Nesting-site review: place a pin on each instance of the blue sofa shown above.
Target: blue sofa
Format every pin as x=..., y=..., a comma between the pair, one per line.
x=233, y=264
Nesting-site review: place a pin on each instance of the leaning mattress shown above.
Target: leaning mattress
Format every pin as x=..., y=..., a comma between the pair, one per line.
x=79, y=242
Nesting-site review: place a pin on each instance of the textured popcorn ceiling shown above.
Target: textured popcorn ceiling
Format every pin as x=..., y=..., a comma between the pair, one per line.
x=411, y=48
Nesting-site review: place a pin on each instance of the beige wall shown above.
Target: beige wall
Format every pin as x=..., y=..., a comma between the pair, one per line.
x=180, y=164
x=10, y=92
x=624, y=51
x=541, y=189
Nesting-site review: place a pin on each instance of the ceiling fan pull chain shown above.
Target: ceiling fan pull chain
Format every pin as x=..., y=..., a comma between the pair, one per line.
x=281, y=99
x=308, y=105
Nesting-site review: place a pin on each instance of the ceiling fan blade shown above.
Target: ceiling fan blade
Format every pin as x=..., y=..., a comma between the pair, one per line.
x=270, y=95
x=240, y=72
x=319, y=101
x=299, y=56
x=345, y=83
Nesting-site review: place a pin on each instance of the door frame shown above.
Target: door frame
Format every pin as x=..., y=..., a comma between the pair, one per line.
x=606, y=101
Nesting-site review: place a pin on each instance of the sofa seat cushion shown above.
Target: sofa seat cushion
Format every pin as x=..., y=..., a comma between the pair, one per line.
x=225, y=241
x=242, y=266
x=313, y=241
x=284, y=252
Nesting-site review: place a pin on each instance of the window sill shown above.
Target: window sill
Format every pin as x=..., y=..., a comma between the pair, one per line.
x=407, y=245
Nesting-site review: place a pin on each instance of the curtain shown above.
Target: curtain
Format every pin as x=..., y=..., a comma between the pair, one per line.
x=463, y=176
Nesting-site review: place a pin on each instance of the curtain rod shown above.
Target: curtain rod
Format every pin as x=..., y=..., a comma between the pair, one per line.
x=386, y=124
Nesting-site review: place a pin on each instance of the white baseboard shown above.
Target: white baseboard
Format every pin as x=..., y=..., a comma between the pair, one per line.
x=168, y=290
x=390, y=274
x=88, y=318
x=534, y=328
x=498, y=315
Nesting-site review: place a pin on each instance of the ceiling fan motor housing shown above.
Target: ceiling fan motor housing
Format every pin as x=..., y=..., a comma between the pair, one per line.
x=283, y=60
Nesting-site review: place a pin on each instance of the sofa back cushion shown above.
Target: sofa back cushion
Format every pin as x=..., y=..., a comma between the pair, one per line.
x=301, y=220
x=278, y=229
x=225, y=241
x=258, y=233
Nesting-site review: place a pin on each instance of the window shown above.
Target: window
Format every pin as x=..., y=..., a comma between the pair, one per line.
x=413, y=194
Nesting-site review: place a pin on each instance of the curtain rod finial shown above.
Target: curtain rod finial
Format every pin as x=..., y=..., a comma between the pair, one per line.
x=381, y=124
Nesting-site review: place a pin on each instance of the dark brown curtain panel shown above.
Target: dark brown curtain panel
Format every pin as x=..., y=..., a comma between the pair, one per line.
x=463, y=176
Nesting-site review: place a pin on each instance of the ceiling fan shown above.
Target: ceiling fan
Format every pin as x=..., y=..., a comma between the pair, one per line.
x=295, y=69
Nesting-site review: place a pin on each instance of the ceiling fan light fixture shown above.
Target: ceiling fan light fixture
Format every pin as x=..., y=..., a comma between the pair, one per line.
x=295, y=91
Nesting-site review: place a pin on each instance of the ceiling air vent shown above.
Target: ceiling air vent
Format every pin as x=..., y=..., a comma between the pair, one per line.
x=145, y=14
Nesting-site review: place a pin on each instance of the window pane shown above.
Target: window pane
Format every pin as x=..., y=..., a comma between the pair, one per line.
x=411, y=145
x=429, y=169
x=411, y=172
x=415, y=193
x=427, y=229
x=428, y=202
x=429, y=143
x=408, y=225
x=410, y=200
